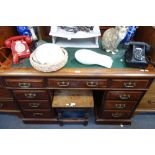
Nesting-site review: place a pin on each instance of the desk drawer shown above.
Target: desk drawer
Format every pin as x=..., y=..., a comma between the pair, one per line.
x=124, y=95
x=119, y=105
x=24, y=83
x=31, y=94
x=0, y=83
x=130, y=83
x=4, y=93
x=113, y=114
x=34, y=104
x=7, y=105
x=77, y=83
x=38, y=113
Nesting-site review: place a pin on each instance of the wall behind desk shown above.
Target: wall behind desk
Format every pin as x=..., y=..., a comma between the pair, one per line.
x=5, y=33
x=147, y=34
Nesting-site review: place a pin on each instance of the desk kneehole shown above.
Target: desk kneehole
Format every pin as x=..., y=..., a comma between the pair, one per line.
x=73, y=106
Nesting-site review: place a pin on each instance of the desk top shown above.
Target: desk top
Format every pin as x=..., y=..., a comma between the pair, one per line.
x=118, y=59
x=74, y=69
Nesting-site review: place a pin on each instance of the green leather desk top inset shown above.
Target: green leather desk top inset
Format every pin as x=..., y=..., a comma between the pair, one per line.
x=118, y=59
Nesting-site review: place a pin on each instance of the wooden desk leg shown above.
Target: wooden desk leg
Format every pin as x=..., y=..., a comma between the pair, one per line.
x=86, y=119
x=60, y=119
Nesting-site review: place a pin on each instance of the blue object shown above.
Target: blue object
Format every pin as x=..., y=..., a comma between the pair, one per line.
x=130, y=34
x=24, y=30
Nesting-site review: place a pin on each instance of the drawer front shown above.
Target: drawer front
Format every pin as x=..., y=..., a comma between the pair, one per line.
x=109, y=114
x=0, y=84
x=38, y=113
x=31, y=94
x=124, y=95
x=4, y=93
x=77, y=83
x=130, y=83
x=34, y=104
x=24, y=83
x=119, y=105
x=7, y=105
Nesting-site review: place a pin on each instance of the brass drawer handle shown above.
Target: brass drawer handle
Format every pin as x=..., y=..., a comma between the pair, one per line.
x=124, y=97
x=24, y=85
x=129, y=84
x=34, y=105
x=37, y=114
x=92, y=84
x=63, y=84
x=116, y=115
x=30, y=95
x=1, y=105
x=120, y=106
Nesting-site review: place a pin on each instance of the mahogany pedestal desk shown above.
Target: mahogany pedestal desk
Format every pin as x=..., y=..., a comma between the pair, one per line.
x=116, y=92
